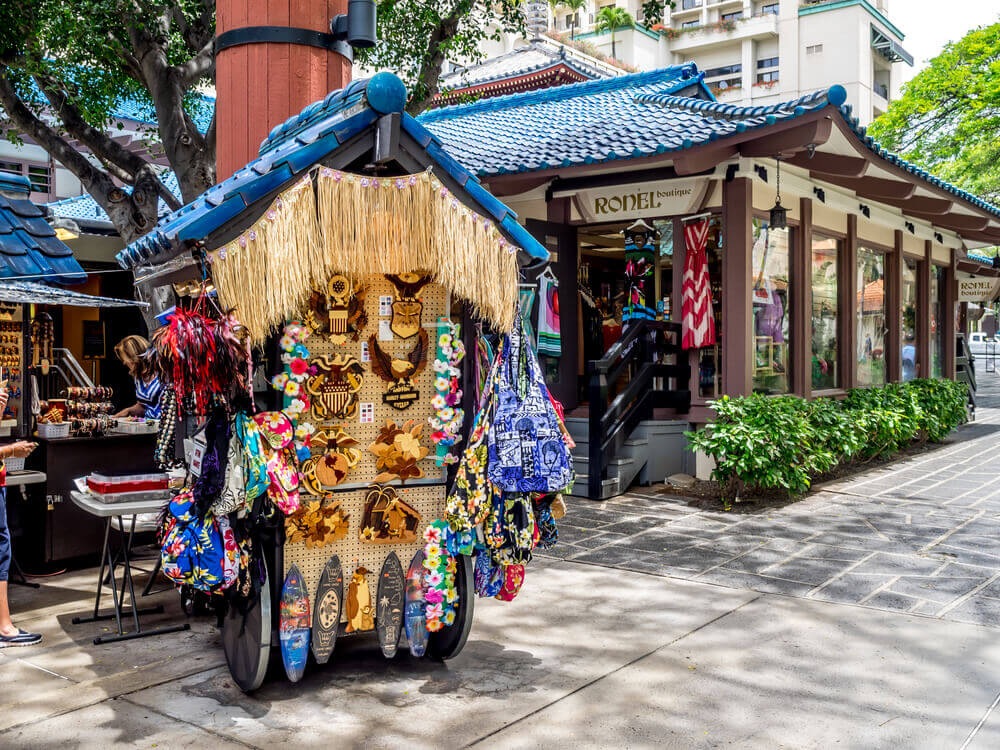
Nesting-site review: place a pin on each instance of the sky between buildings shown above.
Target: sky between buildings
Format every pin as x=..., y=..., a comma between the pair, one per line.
x=931, y=24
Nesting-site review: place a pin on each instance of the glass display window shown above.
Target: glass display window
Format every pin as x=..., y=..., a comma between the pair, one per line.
x=825, y=313
x=771, y=309
x=871, y=329
x=908, y=321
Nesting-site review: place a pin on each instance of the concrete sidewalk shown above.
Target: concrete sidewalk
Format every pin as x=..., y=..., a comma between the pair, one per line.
x=861, y=617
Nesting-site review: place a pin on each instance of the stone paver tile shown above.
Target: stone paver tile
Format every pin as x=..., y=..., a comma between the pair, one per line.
x=892, y=601
x=759, y=558
x=937, y=589
x=814, y=572
x=764, y=584
x=981, y=610
x=828, y=552
x=895, y=565
x=849, y=588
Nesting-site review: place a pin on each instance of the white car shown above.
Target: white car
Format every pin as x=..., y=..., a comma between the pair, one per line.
x=979, y=342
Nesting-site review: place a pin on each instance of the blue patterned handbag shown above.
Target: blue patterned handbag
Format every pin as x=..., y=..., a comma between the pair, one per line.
x=527, y=452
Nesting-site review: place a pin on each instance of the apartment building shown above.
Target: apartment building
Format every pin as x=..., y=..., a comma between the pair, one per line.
x=755, y=51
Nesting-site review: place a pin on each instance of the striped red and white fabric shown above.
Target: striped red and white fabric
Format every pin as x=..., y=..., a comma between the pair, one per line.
x=697, y=318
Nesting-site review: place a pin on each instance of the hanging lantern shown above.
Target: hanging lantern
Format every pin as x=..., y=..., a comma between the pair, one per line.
x=779, y=214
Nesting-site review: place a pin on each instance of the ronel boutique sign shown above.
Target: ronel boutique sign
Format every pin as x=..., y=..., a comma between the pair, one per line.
x=641, y=199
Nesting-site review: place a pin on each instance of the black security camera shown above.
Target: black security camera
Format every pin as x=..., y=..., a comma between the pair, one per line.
x=357, y=28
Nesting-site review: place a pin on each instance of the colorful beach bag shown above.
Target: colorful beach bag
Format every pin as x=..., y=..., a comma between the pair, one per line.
x=193, y=551
x=527, y=452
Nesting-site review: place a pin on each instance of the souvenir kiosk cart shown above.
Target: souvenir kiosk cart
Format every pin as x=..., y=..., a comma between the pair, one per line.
x=341, y=251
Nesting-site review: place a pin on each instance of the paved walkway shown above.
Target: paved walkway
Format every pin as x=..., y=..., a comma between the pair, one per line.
x=921, y=536
x=862, y=617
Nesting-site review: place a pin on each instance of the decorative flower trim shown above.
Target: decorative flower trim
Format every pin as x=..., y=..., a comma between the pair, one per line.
x=446, y=424
x=289, y=382
x=439, y=581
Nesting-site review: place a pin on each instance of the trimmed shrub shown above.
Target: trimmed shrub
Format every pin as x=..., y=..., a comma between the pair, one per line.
x=767, y=443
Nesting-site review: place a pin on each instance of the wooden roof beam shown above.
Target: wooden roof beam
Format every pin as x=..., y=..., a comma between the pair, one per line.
x=831, y=164
x=789, y=141
x=699, y=160
x=955, y=222
x=876, y=188
x=922, y=204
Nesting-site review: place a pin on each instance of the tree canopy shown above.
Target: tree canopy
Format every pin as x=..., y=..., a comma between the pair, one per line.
x=948, y=117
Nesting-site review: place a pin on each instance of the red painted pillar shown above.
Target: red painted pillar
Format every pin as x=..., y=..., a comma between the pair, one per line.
x=259, y=86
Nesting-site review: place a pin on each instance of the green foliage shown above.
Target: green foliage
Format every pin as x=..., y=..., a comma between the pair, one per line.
x=416, y=37
x=766, y=443
x=948, y=118
x=611, y=17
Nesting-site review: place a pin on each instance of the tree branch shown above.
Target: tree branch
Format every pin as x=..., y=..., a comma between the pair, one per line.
x=430, y=68
x=199, y=66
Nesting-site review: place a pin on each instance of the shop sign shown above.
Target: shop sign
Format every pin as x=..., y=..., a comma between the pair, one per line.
x=977, y=288
x=642, y=199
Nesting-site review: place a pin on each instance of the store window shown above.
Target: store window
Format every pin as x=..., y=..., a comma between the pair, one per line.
x=710, y=357
x=937, y=321
x=771, y=310
x=871, y=318
x=908, y=321
x=825, y=313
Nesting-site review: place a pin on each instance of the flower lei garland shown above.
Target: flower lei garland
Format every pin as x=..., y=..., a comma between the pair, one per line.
x=439, y=580
x=448, y=416
x=291, y=383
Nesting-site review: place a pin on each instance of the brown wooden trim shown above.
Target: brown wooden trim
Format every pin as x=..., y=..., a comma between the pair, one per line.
x=801, y=302
x=921, y=203
x=789, y=141
x=876, y=188
x=737, y=206
x=848, y=291
x=693, y=162
x=953, y=221
x=894, y=311
x=833, y=234
x=948, y=313
x=831, y=164
x=875, y=247
x=924, y=312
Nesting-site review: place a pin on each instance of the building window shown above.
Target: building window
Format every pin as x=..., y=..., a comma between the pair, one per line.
x=38, y=174
x=882, y=90
x=710, y=357
x=771, y=310
x=908, y=320
x=690, y=25
x=814, y=49
x=770, y=77
x=725, y=70
x=771, y=9
x=871, y=318
x=937, y=321
x=767, y=62
x=689, y=4
x=825, y=313
x=732, y=16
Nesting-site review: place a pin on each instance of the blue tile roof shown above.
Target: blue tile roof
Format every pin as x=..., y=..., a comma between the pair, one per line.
x=200, y=108
x=28, y=245
x=294, y=147
x=632, y=116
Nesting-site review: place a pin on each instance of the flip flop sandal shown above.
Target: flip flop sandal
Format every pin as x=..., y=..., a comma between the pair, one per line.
x=21, y=639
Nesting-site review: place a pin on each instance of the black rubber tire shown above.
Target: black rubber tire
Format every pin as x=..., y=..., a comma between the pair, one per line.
x=448, y=642
x=248, y=650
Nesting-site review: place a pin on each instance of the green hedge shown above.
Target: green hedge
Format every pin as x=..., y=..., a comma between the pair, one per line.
x=765, y=443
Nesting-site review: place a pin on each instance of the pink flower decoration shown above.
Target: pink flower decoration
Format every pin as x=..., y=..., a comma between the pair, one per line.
x=434, y=596
x=298, y=366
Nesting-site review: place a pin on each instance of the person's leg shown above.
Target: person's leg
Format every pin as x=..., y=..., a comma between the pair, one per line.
x=9, y=634
x=6, y=626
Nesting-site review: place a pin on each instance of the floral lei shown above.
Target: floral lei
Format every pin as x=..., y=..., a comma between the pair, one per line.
x=291, y=382
x=439, y=580
x=446, y=424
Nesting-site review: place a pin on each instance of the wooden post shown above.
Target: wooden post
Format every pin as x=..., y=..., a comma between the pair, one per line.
x=949, y=314
x=261, y=85
x=847, y=322
x=893, y=288
x=737, y=359
x=924, y=270
x=801, y=302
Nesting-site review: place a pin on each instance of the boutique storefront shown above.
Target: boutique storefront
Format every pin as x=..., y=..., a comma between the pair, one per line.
x=789, y=251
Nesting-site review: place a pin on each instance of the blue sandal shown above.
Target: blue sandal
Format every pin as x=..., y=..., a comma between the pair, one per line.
x=21, y=639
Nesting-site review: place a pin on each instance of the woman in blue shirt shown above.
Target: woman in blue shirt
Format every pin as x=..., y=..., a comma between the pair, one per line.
x=132, y=351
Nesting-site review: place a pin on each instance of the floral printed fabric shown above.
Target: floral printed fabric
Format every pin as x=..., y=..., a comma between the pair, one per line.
x=513, y=577
x=193, y=550
x=439, y=580
x=446, y=424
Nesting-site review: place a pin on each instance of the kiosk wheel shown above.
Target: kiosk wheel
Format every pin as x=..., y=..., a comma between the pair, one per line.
x=247, y=641
x=448, y=642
